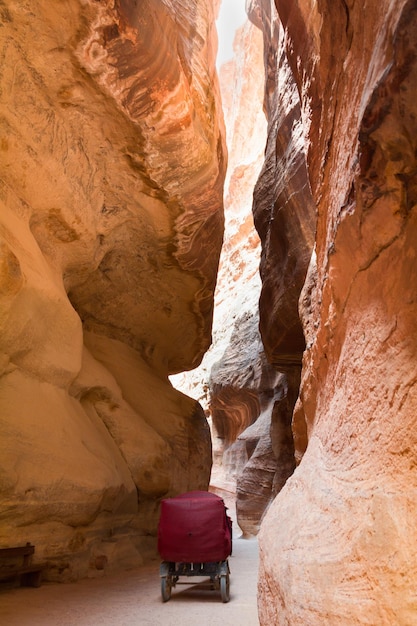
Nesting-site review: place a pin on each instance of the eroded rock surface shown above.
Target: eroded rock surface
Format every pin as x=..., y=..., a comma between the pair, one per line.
x=338, y=544
x=253, y=387
x=249, y=388
x=235, y=382
x=112, y=166
x=243, y=389
x=284, y=210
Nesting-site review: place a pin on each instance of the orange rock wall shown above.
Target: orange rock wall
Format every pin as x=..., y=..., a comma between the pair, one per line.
x=112, y=158
x=243, y=387
x=252, y=401
x=338, y=545
x=234, y=382
x=283, y=207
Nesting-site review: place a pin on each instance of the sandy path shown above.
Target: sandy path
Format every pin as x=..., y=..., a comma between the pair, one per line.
x=133, y=599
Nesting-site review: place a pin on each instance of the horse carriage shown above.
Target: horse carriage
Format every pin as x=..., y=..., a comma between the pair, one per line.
x=195, y=539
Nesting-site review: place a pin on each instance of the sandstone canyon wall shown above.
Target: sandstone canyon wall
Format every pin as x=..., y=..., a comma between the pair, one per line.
x=338, y=545
x=235, y=383
x=241, y=383
x=112, y=167
x=246, y=388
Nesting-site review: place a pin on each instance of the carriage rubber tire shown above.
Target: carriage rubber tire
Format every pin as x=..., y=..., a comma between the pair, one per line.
x=166, y=586
x=225, y=587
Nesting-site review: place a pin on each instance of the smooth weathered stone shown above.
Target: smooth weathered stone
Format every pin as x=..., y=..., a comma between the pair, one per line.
x=113, y=159
x=338, y=544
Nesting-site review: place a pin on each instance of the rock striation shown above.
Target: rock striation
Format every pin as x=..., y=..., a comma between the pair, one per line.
x=235, y=383
x=255, y=386
x=113, y=159
x=338, y=545
x=284, y=210
x=243, y=389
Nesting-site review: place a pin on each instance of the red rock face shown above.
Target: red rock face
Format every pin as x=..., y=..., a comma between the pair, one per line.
x=338, y=545
x=246, y=391
x=255, y=458
x=243, y=391
x=284, y=211
x=285, y=218
x=252, y=401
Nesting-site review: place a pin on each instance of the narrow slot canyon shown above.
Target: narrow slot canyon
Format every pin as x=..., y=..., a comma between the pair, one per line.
x=208, y=281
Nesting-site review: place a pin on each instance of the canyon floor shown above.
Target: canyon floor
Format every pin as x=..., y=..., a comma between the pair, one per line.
x=133, y=599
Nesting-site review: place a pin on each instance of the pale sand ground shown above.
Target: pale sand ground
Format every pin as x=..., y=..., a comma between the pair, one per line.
x=133, y=599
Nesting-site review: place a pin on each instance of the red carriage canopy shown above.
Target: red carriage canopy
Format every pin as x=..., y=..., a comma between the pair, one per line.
x=194, y=528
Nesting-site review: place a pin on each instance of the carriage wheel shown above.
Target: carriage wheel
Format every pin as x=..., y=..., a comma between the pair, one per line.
x=166, y=586
x=225, y=587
